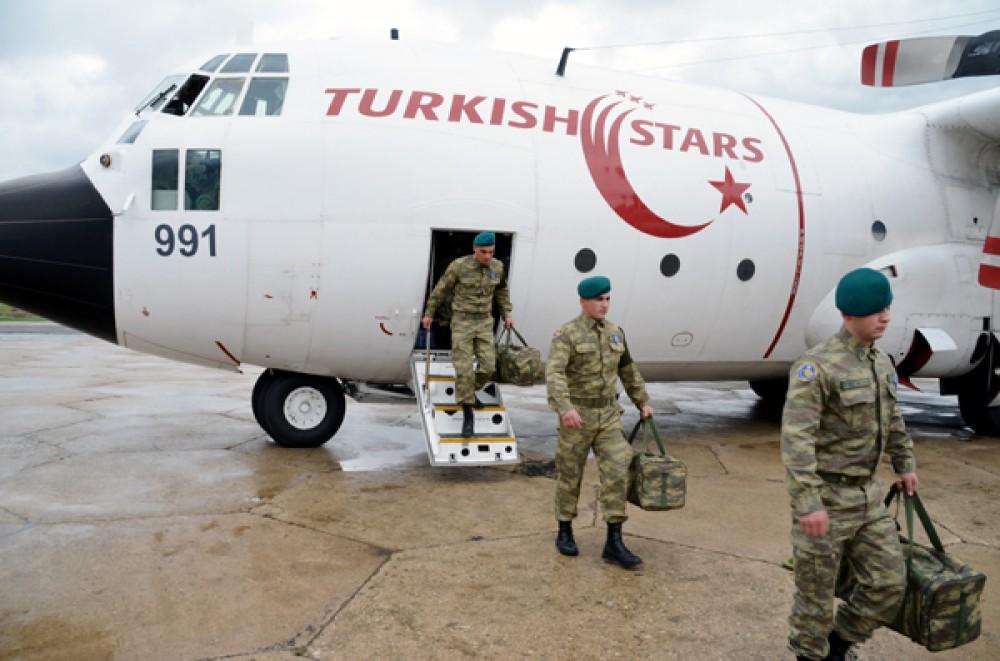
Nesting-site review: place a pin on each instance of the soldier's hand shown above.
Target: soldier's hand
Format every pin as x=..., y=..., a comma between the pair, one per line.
x=508, y=321
x=647, y=411
x=571, y=419
x=426, y=323
x=815, y=524
x=908, y=481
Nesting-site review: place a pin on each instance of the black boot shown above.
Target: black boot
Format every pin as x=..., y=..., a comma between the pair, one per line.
x=467, y=420
x=615, y=550
x=838, y=647
x=564, y=540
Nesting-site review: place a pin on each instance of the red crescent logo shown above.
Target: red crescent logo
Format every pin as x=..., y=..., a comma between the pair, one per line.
x=605, y=164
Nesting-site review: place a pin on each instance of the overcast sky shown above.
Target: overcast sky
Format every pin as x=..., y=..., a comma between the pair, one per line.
x=71, y=69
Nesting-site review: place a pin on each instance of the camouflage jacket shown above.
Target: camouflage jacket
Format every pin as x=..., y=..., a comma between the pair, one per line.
x=473, y=288
x=840, y=414
x=585, y=360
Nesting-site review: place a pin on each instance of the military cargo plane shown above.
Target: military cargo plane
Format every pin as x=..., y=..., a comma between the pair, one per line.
x=288, y=207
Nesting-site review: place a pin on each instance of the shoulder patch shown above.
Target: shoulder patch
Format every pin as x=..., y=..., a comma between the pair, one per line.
x=806, y=372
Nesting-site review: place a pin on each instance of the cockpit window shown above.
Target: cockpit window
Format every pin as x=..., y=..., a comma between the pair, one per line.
x=214, y=63
x=202, y=176
x=239, y=63
x=132, y=132
x=273, y=63
x=189, y=91
x=164, y=195
x=220, y=99
x=159, y=94
x=265, y=96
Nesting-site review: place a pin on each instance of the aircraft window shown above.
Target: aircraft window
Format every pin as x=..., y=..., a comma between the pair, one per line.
x=202, y=174
x=159, y=94
x=132, y=132
x=273, y=63
x=239, y=63
x=745, y=270
x=265, y=96
x=189, y=91
x=164, y=188
x=878, y=230
x=670, y=265
x=585, y=260
x=214, y=63
x=220, y=99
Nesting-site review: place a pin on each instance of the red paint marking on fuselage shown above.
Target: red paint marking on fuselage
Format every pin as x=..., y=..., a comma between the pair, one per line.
x=889, y=67
x=233, y=358
x=384, y=329
x=802, y=229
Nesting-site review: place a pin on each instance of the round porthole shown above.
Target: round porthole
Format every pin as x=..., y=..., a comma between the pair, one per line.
x=670, y=265
x=745, y=270
x=585, y=260
x=878, y=230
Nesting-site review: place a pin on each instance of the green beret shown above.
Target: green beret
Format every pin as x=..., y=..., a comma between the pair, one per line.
x=863, y=292
x=593, y=287
x=485, y=239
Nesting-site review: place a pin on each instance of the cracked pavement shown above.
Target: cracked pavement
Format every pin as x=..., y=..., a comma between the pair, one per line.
x=144, y=515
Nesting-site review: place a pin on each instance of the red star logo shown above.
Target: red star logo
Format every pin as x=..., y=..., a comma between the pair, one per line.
x=732, y=192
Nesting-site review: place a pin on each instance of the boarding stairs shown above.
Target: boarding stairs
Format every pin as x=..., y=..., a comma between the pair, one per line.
x=492, y=444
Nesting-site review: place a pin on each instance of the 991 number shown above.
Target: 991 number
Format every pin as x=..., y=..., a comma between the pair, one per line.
x=185, y=241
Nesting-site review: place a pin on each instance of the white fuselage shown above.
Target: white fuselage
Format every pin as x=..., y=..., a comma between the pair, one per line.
x=323, y=236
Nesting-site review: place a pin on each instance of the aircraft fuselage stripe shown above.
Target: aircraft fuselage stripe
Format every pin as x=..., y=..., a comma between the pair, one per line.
x=802, y=228
x=889, y=67
x=992, y=245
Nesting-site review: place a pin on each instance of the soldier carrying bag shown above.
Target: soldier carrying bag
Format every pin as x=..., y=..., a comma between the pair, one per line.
x=657, y=482
x=518, y=365
x=940, y=608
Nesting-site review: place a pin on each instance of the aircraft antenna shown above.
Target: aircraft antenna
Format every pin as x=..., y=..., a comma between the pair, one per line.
x=394, y=34
x=561, y=69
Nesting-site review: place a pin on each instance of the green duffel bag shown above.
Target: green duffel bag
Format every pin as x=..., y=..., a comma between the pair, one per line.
x=940, y=608
x=657, y=482
x=518, y=365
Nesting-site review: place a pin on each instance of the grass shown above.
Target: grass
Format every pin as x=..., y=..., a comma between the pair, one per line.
x=7, y=313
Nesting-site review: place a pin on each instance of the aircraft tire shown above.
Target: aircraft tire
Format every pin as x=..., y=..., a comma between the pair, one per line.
x=772, y=391
x=300, y=410
x=257, y=397
x=977, y=389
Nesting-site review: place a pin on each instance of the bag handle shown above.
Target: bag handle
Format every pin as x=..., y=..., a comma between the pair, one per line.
x=913, y=504
x=648, y=425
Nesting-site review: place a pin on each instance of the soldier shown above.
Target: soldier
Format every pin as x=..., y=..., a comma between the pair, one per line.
x=840, y=413
x=586, y=358
x=474, y=282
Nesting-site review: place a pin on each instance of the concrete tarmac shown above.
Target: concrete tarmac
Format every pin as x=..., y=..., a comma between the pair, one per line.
x=144, y=515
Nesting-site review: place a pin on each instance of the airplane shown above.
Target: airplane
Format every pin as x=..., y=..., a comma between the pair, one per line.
x=289, y=207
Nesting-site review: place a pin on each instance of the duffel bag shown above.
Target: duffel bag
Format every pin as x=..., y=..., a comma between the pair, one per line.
x=518, y=365
x=940, y=608
x=657, y=482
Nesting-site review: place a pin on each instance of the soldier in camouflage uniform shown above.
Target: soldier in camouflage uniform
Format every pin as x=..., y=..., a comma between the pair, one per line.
x=587, y=357
x=840, y=414
x=474, y=282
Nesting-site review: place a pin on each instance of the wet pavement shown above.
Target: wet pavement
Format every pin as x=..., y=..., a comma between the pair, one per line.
x=144, y=515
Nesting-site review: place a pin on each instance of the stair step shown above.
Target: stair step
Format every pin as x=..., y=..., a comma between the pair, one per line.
x=456, y=407
x=475, y=438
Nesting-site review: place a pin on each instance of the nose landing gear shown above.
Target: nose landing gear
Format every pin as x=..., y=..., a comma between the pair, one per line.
x=298, y=410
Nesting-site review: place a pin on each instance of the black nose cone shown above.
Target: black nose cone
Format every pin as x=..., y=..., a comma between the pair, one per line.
x=56, y=244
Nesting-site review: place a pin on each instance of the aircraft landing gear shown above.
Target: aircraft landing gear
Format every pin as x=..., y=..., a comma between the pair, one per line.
x=772, y=391
x=977, y=389
x=298, y=410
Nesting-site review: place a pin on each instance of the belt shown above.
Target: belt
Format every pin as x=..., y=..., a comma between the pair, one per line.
x=473, y=315
x=846, y=480
x=593, y=402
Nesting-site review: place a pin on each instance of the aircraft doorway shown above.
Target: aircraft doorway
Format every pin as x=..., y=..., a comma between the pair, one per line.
x=447, y=246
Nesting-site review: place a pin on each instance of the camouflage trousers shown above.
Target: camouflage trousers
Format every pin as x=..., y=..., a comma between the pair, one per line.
x=867, y=539
x=472, y=336
x=602, y=432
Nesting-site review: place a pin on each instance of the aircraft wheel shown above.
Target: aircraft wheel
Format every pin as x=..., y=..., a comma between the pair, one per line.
x=257, y=397
x=301, y=411
x=772, y=391
x=977, y=389
x=985, y=420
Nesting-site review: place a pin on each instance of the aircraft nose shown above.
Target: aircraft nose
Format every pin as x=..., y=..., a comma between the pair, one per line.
x=56, y=243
